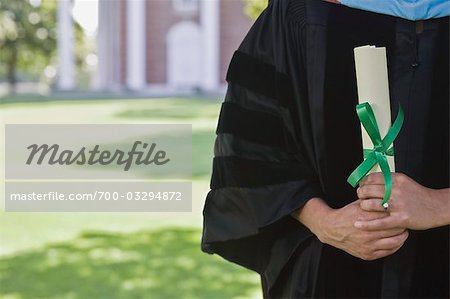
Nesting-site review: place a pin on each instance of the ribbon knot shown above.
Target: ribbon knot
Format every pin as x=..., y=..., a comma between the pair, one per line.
x=382, y=148
x=379, y=148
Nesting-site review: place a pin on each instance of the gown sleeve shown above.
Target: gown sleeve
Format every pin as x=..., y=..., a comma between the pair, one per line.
x=265, y=156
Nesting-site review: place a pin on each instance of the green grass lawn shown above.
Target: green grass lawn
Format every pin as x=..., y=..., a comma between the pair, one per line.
x=117, y=255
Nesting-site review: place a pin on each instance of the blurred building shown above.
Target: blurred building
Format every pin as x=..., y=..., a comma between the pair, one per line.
x=167, y=44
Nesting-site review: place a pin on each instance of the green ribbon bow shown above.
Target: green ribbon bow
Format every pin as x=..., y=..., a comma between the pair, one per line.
x=382, y=148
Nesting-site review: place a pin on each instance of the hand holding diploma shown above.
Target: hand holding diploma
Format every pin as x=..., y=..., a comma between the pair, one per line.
x=412, y=206
x=336, y=228
x=374, y=113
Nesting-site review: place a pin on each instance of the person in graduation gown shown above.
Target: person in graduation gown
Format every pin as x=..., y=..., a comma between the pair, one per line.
x=288, y=137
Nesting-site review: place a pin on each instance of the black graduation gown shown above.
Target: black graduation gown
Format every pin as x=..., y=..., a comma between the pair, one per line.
x=288, y=132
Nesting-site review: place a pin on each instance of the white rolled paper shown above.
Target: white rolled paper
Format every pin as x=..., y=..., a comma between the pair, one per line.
x=373, y=88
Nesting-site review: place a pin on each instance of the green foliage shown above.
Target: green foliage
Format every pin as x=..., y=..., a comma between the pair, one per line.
x=28, y=37
x=253, y=8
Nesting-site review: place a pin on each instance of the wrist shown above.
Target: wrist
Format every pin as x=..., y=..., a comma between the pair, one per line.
x=314, y=215
x=440, y=199
x=325, y=232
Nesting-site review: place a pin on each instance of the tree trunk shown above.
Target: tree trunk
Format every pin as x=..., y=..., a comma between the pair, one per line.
x=12, y=67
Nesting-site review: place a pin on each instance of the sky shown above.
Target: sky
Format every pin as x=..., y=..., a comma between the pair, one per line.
x=85, y=12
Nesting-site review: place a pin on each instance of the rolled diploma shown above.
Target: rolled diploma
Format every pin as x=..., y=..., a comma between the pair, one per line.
x=373, y=87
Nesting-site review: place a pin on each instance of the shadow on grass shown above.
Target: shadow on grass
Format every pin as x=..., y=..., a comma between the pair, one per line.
x=166, y=263
x=184, y=109
x=165, y=113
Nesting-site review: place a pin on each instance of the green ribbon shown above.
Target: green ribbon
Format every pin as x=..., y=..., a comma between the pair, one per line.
x=382, y=148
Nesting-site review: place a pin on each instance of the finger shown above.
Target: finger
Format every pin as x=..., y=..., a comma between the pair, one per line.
x=379, y=224
x=383, y=253
x=389, y=233
x=370, y=191
x=377, y=254
x=374, y=236
x=399, y=178
x=372, y=205
x=375, y=178
x=391, y=242
x=368, y=216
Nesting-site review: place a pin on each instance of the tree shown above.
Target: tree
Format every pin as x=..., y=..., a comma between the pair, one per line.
x=253, y=8
x=27, y=36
